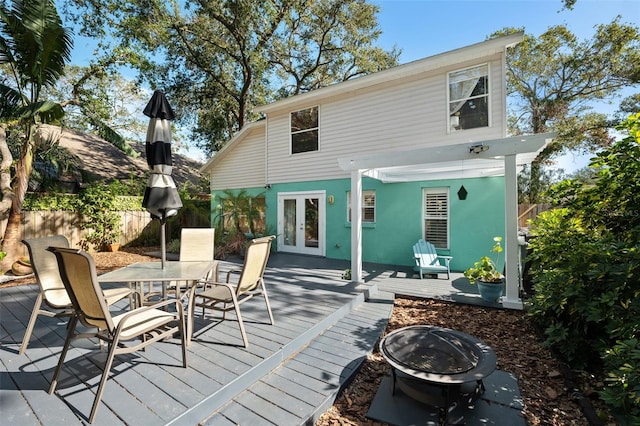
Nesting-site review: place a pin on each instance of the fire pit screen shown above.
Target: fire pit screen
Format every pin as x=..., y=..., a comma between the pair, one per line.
x=436, y=365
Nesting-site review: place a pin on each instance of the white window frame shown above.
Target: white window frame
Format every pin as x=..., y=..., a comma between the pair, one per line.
x=309, y=129
x=440, y=215
x=453, y=118
x=371, y=206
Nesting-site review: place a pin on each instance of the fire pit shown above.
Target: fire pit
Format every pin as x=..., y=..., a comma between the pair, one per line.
x=437, y=366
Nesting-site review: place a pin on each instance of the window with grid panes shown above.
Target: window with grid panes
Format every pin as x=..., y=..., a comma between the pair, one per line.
x=436, y=217
x=368, y=206
x=469, y=98
x=304, y=130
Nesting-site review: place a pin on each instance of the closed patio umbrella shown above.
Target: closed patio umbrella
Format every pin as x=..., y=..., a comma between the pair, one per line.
x=161, y=197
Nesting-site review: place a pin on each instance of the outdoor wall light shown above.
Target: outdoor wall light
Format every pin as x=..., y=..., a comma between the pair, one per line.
x=267, y=186
x=330, y=199
x=477, y=149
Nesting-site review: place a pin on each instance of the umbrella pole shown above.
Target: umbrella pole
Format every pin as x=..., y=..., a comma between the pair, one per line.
x=163, y=244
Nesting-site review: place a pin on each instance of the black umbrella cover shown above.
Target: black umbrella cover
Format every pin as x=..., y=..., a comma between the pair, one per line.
x=158, y=107
x=161, y=197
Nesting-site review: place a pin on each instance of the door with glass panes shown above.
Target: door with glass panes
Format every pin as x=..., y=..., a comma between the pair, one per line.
x=301, y=222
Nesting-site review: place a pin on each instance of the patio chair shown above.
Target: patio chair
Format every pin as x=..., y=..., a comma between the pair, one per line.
x=143, y=325
x=224, y=297
x=428, y=261
x=198, y=244
x=52, y=291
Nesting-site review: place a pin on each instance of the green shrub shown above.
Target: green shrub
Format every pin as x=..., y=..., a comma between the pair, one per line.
x=50, y=202
x=623, y=381
x=97, y=206
x=586, y=267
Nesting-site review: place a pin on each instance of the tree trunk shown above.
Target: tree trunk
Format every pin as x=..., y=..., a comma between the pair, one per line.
x=5, y=180
x=10, y=243
x=535, y=183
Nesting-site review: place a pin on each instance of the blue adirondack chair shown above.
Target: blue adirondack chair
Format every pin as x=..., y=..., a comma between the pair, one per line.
x=428, y=261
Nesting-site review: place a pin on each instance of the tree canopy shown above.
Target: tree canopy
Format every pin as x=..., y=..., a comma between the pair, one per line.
x=554, y=79
x=217, y=59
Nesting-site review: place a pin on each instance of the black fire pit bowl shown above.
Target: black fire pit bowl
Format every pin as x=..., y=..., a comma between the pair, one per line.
x=437, y=366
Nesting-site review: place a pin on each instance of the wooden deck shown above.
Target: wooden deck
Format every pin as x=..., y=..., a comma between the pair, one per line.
x=290, y=374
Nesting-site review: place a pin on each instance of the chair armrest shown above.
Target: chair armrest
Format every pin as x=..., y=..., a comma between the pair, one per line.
x=208, y=284
x=233, y=271
x=447, y=259
x=162, y=303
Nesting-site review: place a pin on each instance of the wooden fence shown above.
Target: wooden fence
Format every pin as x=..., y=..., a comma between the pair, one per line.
x=134, y=225
x=527, y=212
x=35, y=224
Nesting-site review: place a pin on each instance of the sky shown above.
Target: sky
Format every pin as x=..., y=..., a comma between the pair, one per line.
x=422, y=28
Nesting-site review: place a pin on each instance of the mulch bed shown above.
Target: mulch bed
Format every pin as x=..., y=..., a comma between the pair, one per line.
x=546, y=398
x=105, y=262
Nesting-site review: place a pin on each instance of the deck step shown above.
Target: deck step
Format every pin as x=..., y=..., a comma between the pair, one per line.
x=306, y=384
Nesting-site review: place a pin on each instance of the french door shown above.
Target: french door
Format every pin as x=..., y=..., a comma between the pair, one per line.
x=301, y=222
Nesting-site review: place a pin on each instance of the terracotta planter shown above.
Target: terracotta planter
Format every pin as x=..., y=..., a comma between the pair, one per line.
x=490, y=291
x=113, y=247
x=21, y=267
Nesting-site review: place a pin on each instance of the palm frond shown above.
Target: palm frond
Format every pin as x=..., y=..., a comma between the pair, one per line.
x=113, y=137
x=45, y=111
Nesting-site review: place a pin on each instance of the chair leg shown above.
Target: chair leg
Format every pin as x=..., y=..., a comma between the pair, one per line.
x=236, y=306
x=185, y=333
x=266, y=300
x=103, y=380
x=54, y=380
x=32, y=323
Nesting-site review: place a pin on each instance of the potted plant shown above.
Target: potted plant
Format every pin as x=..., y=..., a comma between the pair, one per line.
x=485, y=274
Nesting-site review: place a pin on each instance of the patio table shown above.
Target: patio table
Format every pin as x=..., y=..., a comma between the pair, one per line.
x=137, y=274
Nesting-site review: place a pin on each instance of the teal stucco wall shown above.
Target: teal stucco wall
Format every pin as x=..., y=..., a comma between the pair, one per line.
x=474, y=221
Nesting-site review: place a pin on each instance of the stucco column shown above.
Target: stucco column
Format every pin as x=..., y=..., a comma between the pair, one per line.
x=511, y=298
x=356, y=226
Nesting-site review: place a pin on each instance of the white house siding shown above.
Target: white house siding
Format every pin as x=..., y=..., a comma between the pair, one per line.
x=394, y=116
x=243, y=166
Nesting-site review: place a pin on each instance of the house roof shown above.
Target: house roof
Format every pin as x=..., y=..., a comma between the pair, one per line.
x=106, y=162
x=400, y=72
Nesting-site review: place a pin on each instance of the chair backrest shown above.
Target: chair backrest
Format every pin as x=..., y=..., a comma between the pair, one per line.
x=197, y=244
x=426, y=253
x=255, y=262
x=78, y=273
x=45, y=268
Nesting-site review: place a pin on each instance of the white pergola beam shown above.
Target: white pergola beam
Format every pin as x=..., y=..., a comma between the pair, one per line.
x=496, y=148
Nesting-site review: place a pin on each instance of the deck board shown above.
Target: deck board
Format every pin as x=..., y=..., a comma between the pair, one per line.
x=321, y=330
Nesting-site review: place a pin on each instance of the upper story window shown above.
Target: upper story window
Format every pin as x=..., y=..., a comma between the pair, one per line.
x=368, y=206
x=304, y=130
x=469, y=98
